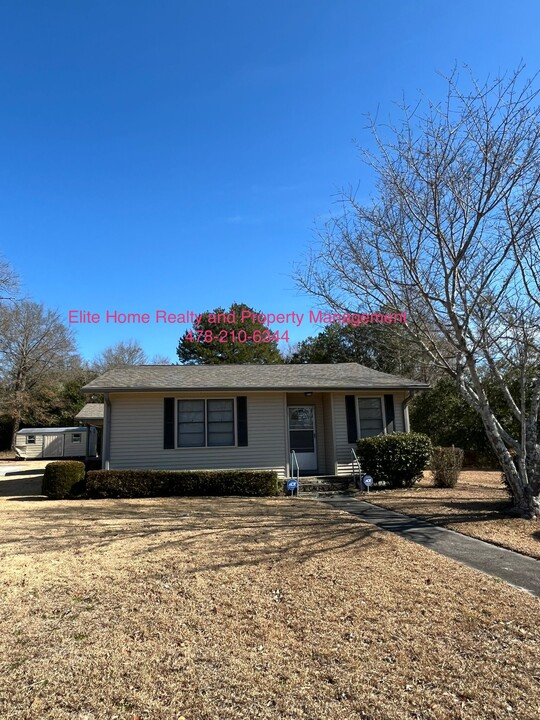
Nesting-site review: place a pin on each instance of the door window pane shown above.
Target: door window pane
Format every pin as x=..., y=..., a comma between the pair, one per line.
x=301, y=418
x=302, y=441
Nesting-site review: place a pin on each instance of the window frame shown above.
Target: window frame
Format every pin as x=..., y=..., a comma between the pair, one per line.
x=206, y=446
x=380, y=398
x=31, y=441
x=78, y=441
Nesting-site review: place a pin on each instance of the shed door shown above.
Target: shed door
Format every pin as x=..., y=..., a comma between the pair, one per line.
x=302, y=436
x=53, y=446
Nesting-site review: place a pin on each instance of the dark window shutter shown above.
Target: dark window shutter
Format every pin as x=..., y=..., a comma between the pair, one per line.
x=168, y=424
x=350, y=409
x=241, y=420
x=389, y=412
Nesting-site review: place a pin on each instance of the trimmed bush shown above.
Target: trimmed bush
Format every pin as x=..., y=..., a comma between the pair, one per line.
x=396, y=460
x=63, y=479
x=163, y=483
x=446, y=464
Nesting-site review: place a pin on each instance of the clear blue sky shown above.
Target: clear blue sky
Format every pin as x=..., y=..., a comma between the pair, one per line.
x=176, y=155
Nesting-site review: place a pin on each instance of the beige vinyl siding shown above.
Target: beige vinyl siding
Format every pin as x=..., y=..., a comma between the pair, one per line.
x=137, y=435
x=47, y=445
x=317, y=401
x=72, y=449
x=399, y=423
x=28, y=451
x=343, y=447
x=330, y=453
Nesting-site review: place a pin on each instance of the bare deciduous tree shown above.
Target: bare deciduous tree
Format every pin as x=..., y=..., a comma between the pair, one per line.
x=160, y=360
x=123, y=353
x=9, y=282
x=35, y=349
x=453, y=237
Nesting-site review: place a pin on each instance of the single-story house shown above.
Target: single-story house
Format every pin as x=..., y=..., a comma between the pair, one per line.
x=187, y=417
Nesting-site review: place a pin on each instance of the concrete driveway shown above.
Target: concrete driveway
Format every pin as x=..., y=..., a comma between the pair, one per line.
x=21, y=478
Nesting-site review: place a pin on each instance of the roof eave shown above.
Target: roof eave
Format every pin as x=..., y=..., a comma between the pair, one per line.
x=291, y=388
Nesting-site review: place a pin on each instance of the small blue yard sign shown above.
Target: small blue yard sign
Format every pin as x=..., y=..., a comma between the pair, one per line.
x=367, y=480
x=292, y=485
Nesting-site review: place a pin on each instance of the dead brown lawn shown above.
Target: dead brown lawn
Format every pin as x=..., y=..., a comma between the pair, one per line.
x=240, y=608
x=476, y=506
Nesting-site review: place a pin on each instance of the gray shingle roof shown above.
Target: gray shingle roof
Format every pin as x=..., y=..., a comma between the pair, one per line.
x=90, y=411
x=343, y=376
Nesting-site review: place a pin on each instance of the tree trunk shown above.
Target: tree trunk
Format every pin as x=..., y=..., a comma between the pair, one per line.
x=16, y=426
x=528, y=506
x=525, y=491
x=18, y=404
x=531, y=503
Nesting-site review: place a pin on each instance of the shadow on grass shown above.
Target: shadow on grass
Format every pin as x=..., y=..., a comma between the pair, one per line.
x=18, y=472
x=27, y=498
x=20, y=489
x=240, y=531
x=472, y=511
x=478, y=510
x=430, y=507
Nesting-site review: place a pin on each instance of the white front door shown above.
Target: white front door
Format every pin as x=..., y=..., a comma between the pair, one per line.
x=302, y=436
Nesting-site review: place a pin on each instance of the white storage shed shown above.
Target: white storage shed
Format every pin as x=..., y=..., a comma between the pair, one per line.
x=33, y=443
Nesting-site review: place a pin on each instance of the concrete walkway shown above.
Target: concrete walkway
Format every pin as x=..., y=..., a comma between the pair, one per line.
x=518, y=570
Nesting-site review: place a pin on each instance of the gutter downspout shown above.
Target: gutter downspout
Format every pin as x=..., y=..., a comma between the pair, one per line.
x=405, y=408
x=106, y=433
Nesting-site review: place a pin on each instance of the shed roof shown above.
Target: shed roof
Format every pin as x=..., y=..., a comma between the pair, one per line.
x=50, y=431
x=341, y=376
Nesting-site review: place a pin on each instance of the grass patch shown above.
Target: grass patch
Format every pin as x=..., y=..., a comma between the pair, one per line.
x=476, y=506
x=238, y=608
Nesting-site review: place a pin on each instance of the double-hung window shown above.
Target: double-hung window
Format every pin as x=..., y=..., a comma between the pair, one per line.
x=370, y=416
x=206, y=423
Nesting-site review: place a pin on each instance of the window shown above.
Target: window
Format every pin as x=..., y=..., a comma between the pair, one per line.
x=370, y=416
x=30, y=439
x=220, y=422
x=191, y=423
x=76, y=438
x=206, y=423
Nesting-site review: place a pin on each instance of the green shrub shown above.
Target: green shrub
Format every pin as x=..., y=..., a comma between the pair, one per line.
x=63, y=479
x=163, y=483
x=446, y=464
x=396, y=460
